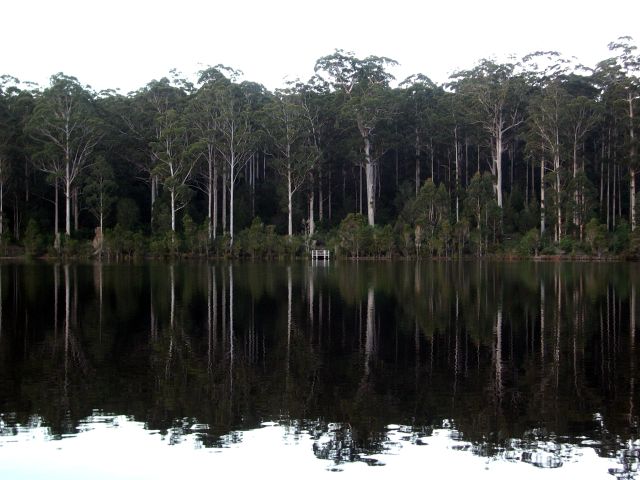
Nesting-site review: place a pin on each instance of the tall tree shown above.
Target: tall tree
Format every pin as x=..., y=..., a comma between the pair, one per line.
x=287, y=126
x=364, y=84
x=235, y=132
x=620, y=78
x=419, y=110
x=64, y=119
x=174, y=163
x=204, y=117
x=496, y=93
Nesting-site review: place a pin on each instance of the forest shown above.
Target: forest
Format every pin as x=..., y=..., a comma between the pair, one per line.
x=534, y=156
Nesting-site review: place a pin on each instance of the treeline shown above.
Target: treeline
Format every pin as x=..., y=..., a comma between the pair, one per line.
x=538, y=155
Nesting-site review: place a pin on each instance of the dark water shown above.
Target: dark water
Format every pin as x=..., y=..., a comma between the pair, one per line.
x=349, y=369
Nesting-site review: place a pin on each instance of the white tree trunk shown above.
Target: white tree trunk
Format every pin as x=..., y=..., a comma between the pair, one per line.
x=558, y=192
x=231, y=188
x=312, y=221
x=215, y=203
x=498, y=166
x=369, y=173
x=224, y=201
x=67, y=194
x=289, y=203
x=542, y=196
x=632, y=170
x=210, y=199
x=173, y=210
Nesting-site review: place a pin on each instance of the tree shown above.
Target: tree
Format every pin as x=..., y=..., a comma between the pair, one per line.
x=619, y=78
x=287, y=126
x=364, y=85
x=235, y=130
x=174, y=164
x=496, y=93
x=145, y=117
x=419, y=105
x=64, y=120
x=480, y=197
x=546, y=123
x=203, y=120
x=99, y=190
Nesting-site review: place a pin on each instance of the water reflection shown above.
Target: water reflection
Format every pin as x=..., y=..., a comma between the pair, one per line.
x=525, y=363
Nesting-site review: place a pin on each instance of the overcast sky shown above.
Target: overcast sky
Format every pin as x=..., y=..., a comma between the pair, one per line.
x=126, y=43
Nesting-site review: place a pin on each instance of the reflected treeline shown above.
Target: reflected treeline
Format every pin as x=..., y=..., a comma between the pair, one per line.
x=508, y=354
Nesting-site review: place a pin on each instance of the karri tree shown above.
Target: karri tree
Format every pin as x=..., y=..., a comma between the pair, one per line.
x=496, y=95
x=64, y=122
x=364, y=85
x=288, y=127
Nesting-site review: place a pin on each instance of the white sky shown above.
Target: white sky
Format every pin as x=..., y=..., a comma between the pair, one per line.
x=126, y=43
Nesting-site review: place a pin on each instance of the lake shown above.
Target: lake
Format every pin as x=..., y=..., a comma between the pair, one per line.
x=341, y=369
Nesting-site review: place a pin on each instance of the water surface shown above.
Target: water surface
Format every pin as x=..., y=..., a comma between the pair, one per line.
x=343, y=369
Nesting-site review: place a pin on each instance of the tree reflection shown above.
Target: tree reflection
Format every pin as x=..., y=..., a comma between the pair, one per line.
x=520, y=359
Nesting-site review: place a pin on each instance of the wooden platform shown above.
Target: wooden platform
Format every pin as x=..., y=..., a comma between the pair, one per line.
x=320, y=254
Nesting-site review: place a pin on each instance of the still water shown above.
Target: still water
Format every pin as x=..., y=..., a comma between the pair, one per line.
x=343, y=370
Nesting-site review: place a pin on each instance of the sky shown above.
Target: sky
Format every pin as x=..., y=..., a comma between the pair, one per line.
x=124, y=44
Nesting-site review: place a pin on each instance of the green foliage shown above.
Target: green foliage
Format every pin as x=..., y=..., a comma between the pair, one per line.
x=383, y=241
x=596, y=236
x=195, y=237
x=99, y=190
x=123, y=243
x=261, y=241
x=354, y=235
x=33, y=240
x=530, y=243
x=633, y=251
x=620, y=238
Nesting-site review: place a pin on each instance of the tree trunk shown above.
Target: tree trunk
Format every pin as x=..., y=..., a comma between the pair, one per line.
x=101, y=211
x=497, y=166
x=576, y=193
x=76, y=209
x=542, y=197
x=224, y=200
x=312, y=222
x=632, y=197
x=360, y=189
x=154, y=193
x=67, y=193
x=370, y=181
x=210, y=198
x=320, y=196
x=289, y=204
x=56, y=218
x=214, y=194
x=1, y=210
x=173, y=210
x=558, y=202
x=231, y=189
x=608, y=196
x=417, y=152
x=632, y=166
x=457, y=160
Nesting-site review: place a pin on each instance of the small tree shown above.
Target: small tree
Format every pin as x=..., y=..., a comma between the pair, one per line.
x=99, y=190
x=596, y=236
x=353, y=234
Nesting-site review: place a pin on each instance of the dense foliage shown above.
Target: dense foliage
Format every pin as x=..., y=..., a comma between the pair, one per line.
x=527, y=157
